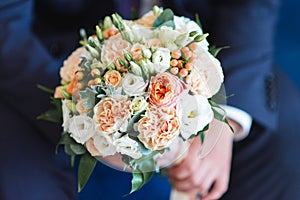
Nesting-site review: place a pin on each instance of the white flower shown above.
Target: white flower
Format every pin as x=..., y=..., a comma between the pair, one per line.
x=139, y=104
x=66, y=115
x=101, y=145
x=81, y=128
x=135, y=68
x=207, y=76
x=133, y=85
x=161, y=59
x=185, y=25
x=196, y=114
x=167, y=36
x=127, y=146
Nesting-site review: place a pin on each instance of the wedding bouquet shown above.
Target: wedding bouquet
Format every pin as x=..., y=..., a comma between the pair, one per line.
x=133, y=90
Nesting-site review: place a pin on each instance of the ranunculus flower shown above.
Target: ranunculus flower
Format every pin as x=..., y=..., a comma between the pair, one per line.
x=127, y=146
x=71, y=64
x=207, y=75
x=112, y=114
x=158, y=128
x=133, y=85
x=196, y=113
x=100, y=145
x=164, y=89
x=81, y=128
x=113, y=49
x=112, y=77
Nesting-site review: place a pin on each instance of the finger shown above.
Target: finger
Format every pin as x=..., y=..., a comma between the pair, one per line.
x=207, y=182
x=219, y=188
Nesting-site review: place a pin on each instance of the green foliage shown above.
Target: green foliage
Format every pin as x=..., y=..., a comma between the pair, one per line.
x=216, y=50
x=89, y=96
x=219, y=113
x=166, y=18
x=55, y=114
x=87, y=164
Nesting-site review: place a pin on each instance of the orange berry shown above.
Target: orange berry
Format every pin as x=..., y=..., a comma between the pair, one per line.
x=189, y=66
x=111, y=32
x=176, y=54
x=193, y=46
x=183, y=72
x=179, y=65
x=186, y=52
x=174, y=70
x=174, y=63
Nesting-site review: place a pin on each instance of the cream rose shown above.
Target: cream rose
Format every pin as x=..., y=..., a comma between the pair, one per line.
x=101, y=145
x=112, y=114
x=158, y=128
x=133, y=85
x=164, y=89
x=81, y=128
x=127, y=146
x=161, y=59
x=196, y=113
x=71, y=64
x=207, y=76
x=112, y=77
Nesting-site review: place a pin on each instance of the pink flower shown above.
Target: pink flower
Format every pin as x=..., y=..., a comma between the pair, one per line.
x=164, y=89
x=158, y=128
x=112, y=114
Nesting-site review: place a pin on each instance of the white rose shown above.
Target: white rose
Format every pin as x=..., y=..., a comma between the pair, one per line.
x=81, y=128
x=127, y=146
x=207, y=76
x=196, y=114
x=161, y=59
x=101, y=145
x=167, y=36
x=185, y=25
x=139, y=103
x=133, y=85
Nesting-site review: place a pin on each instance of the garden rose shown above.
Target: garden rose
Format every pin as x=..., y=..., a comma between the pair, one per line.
x=158, y=128
x=112, y=77
x=133, y=85
x=164, y=89
x=100, y=145
x=207, y=76
x=71, y=64
x=112, y=114
x=81, y=128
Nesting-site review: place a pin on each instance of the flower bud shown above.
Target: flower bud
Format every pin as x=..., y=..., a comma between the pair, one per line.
x=127, y=56
x=135, y=69
x=92, y=51
x=146, y=53
x=71, y=106
x=107, y=23
x=99, y=33
x=199, y=38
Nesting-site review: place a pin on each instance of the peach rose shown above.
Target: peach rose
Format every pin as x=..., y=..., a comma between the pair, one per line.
x=158, y=128
x=164, y=89
x=113, y=49
x=71, y=64
x=112, y=77
x=147, y=20
x=112, y=114
x=99, y=145
x=136, y=51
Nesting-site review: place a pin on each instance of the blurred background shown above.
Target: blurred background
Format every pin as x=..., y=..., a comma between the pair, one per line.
x=287, y=40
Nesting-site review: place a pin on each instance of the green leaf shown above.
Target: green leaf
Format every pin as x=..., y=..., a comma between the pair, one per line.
x=218, y=115
x=216, y=50
x=64, y=140
x=89, y=96
x=51, y=115
x=134, y=119
x=87, y=164
x=198, y=20
x=139, y=179
x=78, y=149
x=45, y=89
x=165, y=19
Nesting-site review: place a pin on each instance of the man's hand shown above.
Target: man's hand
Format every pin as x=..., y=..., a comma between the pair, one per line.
x=208, y=176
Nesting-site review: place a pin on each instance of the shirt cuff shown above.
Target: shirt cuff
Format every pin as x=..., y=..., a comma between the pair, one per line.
x=241, y=117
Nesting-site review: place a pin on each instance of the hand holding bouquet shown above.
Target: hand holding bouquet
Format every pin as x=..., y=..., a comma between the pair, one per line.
x=135, y=90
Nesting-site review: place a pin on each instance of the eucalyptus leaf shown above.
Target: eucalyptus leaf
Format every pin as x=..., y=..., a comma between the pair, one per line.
x=166, y=17
x=89, y=96
x=87, y=164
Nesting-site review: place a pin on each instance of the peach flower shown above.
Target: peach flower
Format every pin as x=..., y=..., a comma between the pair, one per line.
x=164, y=89
x=71, y=64
x=113, y=49
x=147, y=20
x=80, y=107
x=112, y=114
x=136, y=51
x=112, y=77
x=158, y=128
x=100, y=145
